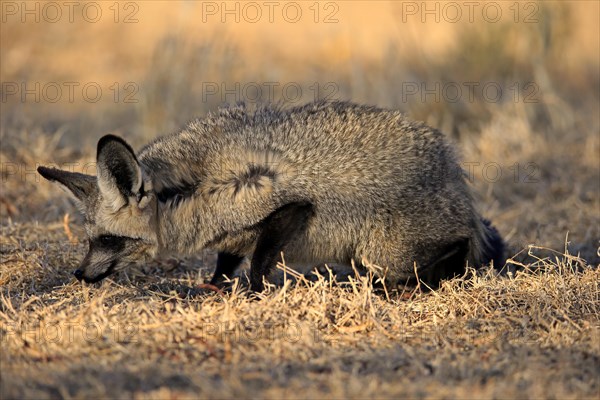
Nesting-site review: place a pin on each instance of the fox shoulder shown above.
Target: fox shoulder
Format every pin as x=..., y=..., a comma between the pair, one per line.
x=246, y=176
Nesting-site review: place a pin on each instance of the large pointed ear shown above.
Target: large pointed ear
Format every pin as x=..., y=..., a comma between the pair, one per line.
x=82, y=187
x=119, y=173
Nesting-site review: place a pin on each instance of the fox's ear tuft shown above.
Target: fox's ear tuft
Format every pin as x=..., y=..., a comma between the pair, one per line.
x=119, y=173
x=82, y=187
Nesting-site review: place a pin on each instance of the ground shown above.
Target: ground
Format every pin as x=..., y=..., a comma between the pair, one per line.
x=149, y=334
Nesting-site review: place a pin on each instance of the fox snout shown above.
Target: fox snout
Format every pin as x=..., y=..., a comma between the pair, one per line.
x=80, y=276
x=108, y=254
x=92, y=272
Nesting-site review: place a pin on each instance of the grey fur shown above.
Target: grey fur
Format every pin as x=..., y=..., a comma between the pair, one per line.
x=386, y=191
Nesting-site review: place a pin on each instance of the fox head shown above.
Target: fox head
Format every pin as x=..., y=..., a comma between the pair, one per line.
x=119, y=207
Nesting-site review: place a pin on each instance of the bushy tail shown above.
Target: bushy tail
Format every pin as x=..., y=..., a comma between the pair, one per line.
x=492, y=246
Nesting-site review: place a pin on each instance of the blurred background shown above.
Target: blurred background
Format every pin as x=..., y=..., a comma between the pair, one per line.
x=515, y=83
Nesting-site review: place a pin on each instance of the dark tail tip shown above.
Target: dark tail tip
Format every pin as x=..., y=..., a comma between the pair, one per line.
x=495, y=247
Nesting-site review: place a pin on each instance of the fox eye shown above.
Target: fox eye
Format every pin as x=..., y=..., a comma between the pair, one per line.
x=109, y=240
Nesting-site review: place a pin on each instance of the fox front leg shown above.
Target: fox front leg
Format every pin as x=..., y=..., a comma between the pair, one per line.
x=280, y=228
x=227, y=263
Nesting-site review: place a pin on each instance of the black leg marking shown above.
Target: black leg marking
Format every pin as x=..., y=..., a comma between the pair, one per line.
x=279, y=228
x=227, y=263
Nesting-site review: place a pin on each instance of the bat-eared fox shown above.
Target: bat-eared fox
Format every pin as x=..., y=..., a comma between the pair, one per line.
x=327, y=182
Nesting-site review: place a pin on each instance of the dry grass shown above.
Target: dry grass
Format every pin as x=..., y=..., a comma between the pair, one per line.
x=533, y=332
